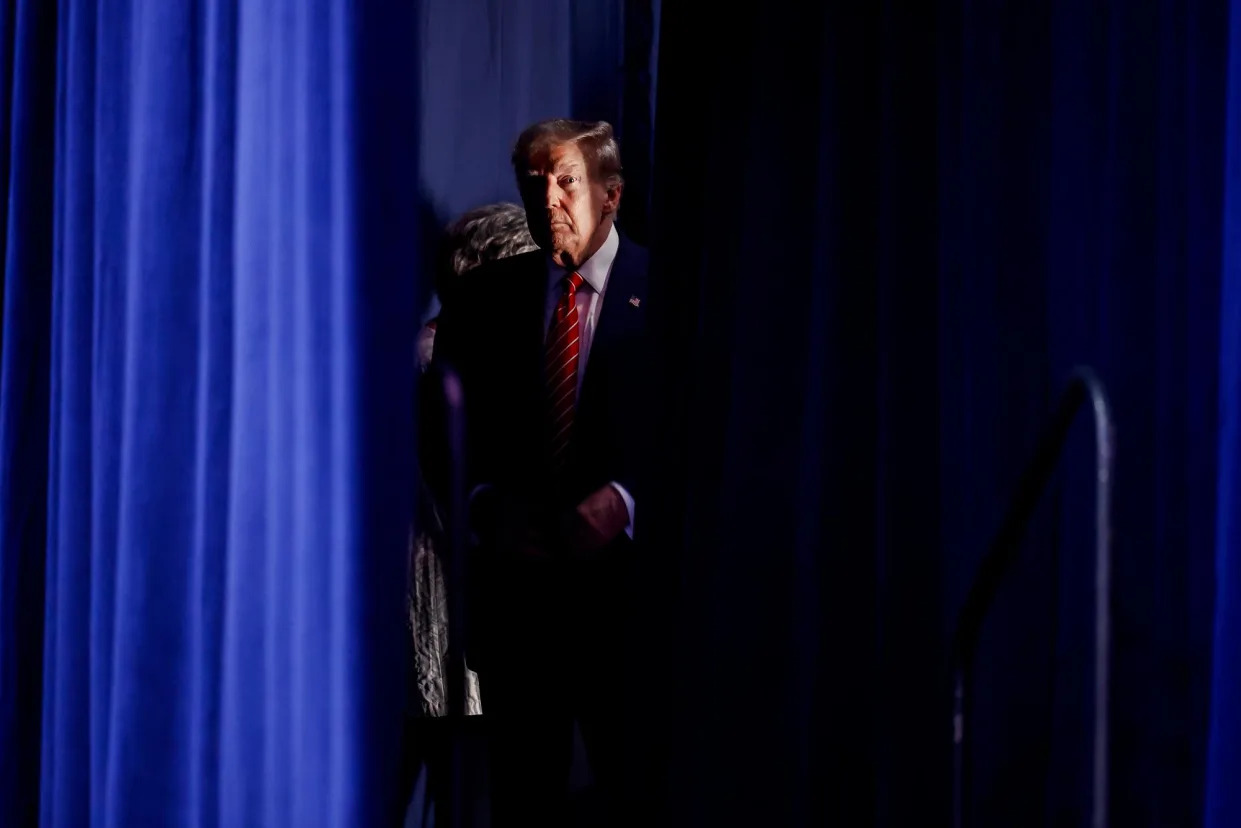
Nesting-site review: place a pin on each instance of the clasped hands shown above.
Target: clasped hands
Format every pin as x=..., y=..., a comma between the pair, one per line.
x=517, y=529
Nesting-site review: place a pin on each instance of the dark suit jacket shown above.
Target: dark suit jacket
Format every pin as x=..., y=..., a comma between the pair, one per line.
x=491, y=333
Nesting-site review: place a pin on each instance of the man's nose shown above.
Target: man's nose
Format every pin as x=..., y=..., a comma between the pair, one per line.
x=552, y=196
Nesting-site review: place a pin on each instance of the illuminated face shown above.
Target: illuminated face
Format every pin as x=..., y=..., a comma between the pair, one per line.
x=569, y=213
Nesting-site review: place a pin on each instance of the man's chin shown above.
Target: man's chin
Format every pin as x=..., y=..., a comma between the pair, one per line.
x=562, y=256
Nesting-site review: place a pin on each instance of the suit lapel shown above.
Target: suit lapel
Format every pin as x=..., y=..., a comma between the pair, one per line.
x=619, y=319
x=621, y=313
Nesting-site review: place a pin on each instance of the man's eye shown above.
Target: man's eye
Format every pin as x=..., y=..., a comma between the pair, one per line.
x=568, y=179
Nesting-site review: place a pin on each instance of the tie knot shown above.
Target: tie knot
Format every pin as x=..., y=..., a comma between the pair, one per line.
x=573, y=281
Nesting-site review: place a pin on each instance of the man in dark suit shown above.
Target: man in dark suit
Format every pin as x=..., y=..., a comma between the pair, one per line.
x=551, y=348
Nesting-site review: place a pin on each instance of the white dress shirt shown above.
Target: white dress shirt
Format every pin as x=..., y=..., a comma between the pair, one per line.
x=594, y=272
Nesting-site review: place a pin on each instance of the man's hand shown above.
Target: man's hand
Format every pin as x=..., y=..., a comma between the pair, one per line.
x=597, y=521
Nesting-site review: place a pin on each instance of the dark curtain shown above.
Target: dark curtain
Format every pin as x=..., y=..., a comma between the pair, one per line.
x=209, y=308
x=27, y=117
x=1084, y=165
x=805, y=407
x=884, y=237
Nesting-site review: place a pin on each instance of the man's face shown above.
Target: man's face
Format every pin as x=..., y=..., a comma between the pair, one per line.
x=566, y=209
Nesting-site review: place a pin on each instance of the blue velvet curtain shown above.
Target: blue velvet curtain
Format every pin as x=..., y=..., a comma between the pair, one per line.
x=209, y=284
x=885, y=236
x=1224, y=780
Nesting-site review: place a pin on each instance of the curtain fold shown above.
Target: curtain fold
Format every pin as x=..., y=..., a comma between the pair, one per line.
x=224, y=331
x=1223, y=789
x=28, y=61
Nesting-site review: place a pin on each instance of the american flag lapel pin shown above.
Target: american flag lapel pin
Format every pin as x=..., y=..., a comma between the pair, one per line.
x=635, y=301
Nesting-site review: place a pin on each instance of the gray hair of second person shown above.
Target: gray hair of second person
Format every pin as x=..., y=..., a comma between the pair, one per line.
x=484, y=234
x=593, y=138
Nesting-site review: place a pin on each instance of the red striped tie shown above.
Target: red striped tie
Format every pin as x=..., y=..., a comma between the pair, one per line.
x=563, y=345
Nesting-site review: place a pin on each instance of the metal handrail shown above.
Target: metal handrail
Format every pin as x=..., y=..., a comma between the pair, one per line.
x=1005, y=546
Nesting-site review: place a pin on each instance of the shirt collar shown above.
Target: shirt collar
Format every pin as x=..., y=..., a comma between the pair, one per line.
x=595, y=270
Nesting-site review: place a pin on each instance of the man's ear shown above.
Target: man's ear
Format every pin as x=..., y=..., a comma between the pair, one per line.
x=612, y=197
